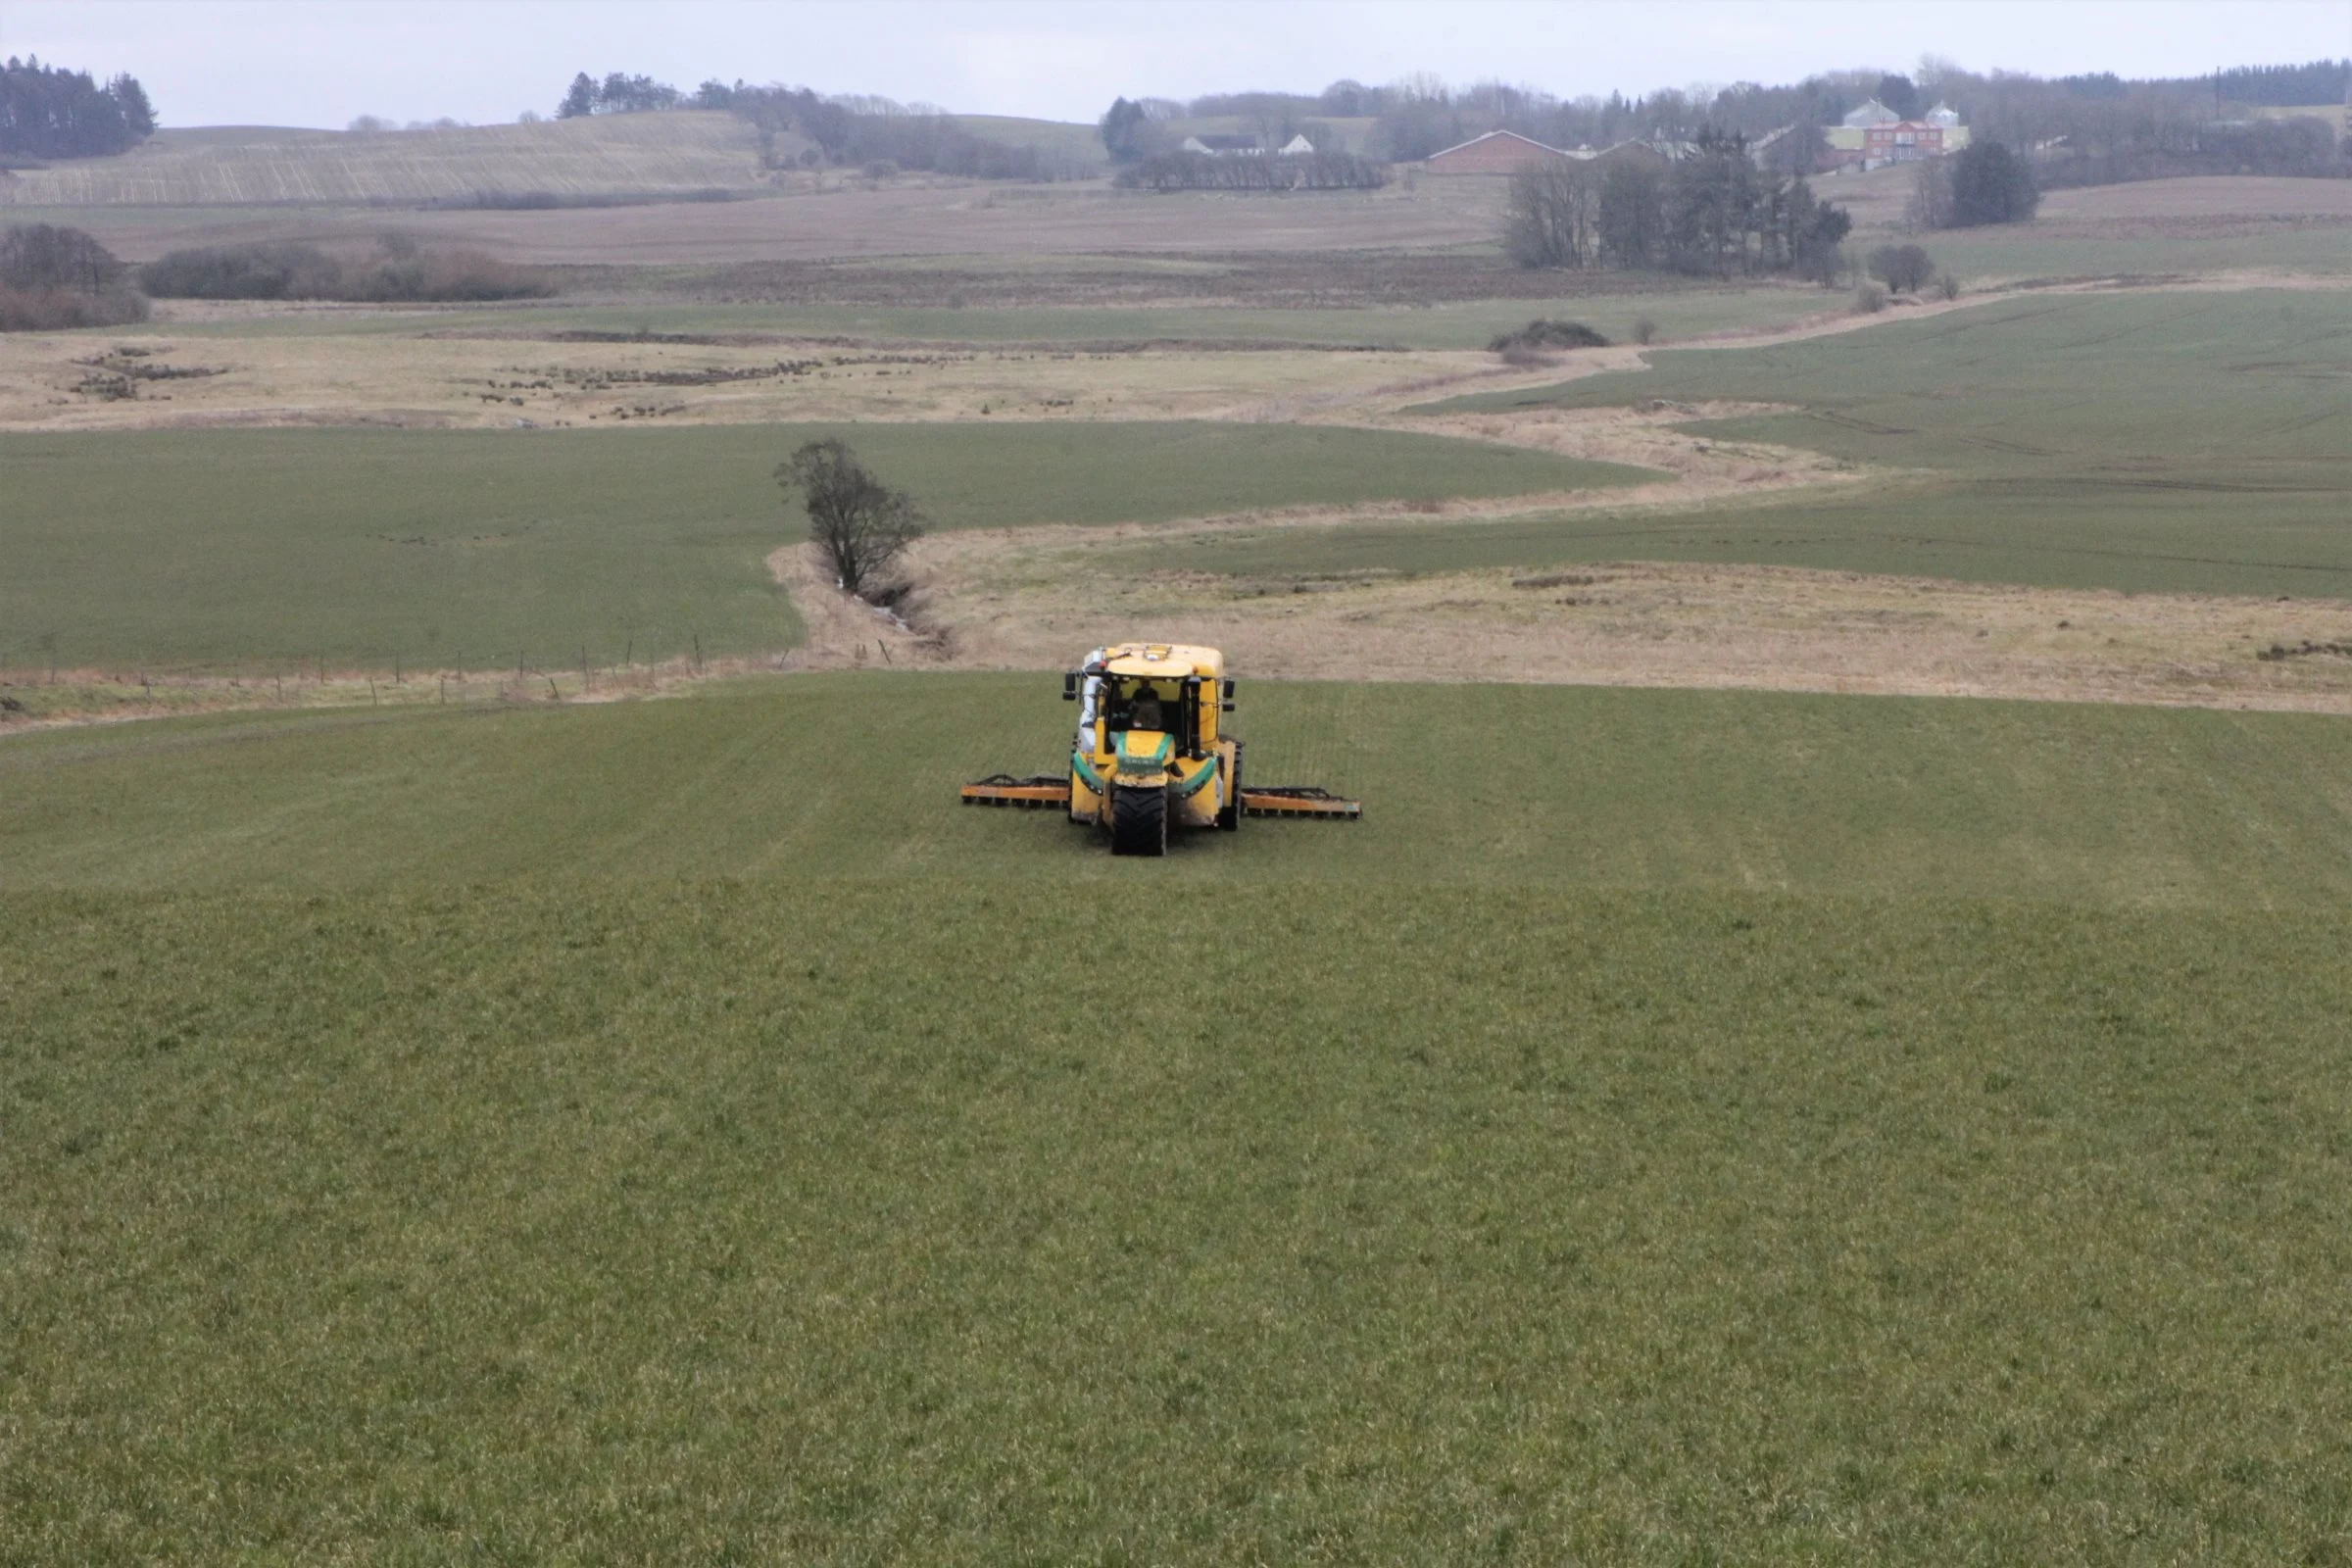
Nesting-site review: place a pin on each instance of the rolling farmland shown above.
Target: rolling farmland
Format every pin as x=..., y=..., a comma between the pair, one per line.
x=1674, y=1125
x=2170, y=443
x=458, y=549
x=264, y=166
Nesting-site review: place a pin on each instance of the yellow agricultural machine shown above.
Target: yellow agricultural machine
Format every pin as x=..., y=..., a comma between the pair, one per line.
x=1153, y=755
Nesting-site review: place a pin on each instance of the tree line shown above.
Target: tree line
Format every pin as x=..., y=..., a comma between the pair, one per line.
x=2090, y=128
x=1183, y=171
x=48, y=112
x=396, y=269
x=53, y=277
x=2317, y=81
x=861, y=130
x=1711, y=212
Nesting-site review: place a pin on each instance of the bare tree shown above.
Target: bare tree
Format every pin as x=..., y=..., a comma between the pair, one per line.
x=1552, y=217
x=862, y=524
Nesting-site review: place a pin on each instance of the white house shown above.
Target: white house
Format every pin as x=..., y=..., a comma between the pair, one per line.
x=1222, y=146
x=1216, y=145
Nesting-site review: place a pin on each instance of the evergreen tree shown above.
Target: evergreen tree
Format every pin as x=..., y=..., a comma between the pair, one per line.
x=138, y=112
x=1121, y=125
x=50, y=112
x=1990, y=185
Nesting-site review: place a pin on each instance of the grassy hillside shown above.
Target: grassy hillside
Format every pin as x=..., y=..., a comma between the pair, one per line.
x=854, y=775
x=2288, y=542
x=269, y=166
x=2218, y=384
x=461, y=549
x=2175, y=441
x=1547, y=1196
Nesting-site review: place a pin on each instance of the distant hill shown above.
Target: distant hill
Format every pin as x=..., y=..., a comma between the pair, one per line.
x=263, y=165
x=1070, y=150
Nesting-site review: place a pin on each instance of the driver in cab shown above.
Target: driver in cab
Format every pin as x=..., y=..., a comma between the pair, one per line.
x=1144, y=712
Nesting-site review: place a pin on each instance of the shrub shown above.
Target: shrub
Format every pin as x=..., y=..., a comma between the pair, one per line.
x=1543, y=333
x=52, y=277
x=56, y=310
x=243, y=273
x=443, y=275
x=1646, y=331
x=44, y=256
x=1948, y=286
x=1198, y=171
x=1869, y=299
x=400, y=271
x=1901, y=268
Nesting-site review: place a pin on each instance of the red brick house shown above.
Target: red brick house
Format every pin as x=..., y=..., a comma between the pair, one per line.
x=1906, y=141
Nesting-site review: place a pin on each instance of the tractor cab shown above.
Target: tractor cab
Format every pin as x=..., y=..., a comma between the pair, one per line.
x=1150, y=754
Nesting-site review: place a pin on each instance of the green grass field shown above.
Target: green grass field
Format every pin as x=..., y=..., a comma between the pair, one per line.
x=1730, y=1128
x=2009, y=256
x=2157, y=443
x=462, y=549
x=853, y=775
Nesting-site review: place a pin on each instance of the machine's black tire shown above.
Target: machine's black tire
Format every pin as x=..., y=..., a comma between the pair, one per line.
x=1230, y=818
x=1139, y=822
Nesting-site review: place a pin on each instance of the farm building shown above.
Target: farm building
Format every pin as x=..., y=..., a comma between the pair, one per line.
x=1906, y=141
x=1222, y=146
x=1215, y=145
x=1498, y=152
x=1873, y=135
x=1506, y=152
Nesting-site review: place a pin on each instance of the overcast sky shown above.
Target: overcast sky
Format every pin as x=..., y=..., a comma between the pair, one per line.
x=323, y=62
